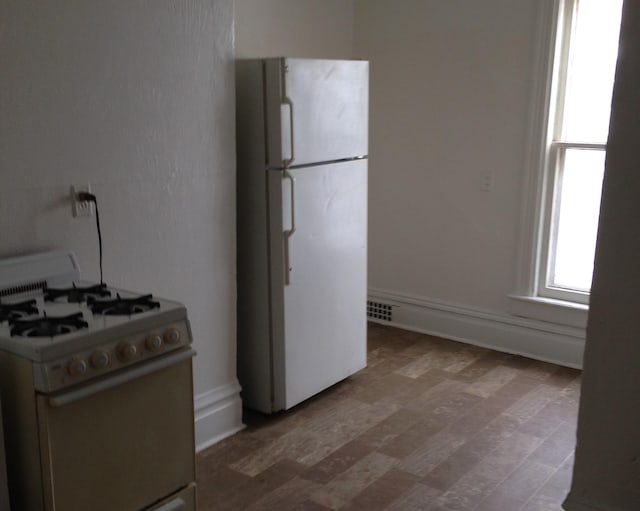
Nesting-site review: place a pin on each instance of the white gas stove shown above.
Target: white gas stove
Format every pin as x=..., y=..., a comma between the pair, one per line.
x=75, y=330
x=77, y=352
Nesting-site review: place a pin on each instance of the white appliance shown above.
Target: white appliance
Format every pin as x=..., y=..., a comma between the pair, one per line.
x=302, y=145
x=97, y=392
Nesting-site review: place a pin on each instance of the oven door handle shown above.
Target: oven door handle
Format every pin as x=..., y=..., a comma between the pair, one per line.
x=127, y=375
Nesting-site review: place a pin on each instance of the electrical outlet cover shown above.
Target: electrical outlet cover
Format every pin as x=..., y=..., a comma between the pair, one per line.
x=80, y=208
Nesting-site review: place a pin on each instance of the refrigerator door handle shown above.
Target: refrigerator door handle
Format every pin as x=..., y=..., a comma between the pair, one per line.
x=288, y=233
x=286, y=123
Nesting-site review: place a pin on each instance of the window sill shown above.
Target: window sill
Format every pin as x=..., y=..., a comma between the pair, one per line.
x=551, y=310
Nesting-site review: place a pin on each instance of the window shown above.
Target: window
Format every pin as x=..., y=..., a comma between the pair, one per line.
x=570, y=127
x=587, y=48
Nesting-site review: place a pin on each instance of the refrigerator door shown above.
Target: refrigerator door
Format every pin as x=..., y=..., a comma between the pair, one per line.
x=317, y=110
x=319, y=316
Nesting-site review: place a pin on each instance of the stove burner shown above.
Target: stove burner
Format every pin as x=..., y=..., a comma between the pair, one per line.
x=76, y=294
x=10, y=311
x=122, y=306
x=47, y=326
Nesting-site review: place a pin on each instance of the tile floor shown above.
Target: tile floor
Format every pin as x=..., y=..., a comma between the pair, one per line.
x=429, y=425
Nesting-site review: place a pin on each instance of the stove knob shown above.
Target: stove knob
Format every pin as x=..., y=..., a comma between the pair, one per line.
x=100, y=359
x=153, y=342
x=127, y=351
x=77, y=367
x=172, y=335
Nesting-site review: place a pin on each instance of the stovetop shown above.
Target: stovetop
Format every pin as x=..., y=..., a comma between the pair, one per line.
x=72, y=331
x=48, y=286
x=43, y=335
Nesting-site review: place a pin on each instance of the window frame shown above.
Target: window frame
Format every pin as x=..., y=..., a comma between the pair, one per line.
x=533, y=297
x=556, y=147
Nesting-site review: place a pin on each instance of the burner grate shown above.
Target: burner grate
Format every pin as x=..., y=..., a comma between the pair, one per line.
x=9, y=311
x=122, y=306
x=76, y=294
x=47, y=326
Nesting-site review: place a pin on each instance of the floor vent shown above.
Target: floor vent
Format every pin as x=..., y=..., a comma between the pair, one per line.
x=379, y=311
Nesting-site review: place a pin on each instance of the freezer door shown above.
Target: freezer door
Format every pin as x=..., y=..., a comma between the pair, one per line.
x=319, y=321
x=317, y=110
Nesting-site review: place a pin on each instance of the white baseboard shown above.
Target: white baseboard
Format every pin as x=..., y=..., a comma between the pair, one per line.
x=549, y=342
x=218, y=414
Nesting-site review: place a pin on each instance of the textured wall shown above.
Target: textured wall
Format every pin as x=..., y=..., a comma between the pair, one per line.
x=135, y=98
x=607, y=468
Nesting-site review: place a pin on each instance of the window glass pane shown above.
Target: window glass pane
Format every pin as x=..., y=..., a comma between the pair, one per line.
x=579, y=209
x=591, y=69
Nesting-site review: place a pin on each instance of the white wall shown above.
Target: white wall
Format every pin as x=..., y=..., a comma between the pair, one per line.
x=294, y=28
x=450, y=95
x=135, y=98
x=607, y=468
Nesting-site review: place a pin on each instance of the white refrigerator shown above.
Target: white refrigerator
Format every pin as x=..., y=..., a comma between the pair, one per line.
x=302, y=145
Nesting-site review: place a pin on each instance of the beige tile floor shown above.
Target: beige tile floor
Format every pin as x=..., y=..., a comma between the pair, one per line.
x=430, y=425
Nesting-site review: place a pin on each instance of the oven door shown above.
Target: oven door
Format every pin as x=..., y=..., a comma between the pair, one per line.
x=122, y=443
